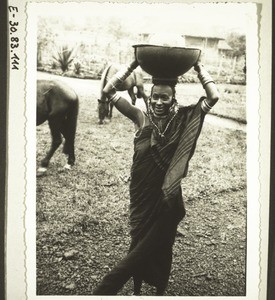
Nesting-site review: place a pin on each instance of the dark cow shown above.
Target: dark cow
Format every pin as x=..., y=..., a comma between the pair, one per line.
x=135, y=79
x=57, y=103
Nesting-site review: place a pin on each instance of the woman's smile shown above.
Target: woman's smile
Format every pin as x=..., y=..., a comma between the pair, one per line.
x=159, y=110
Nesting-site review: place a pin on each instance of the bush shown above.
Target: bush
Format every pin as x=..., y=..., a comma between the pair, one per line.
x=64, y=58
x=238, y=80
x=77, y=68
x=54, y=65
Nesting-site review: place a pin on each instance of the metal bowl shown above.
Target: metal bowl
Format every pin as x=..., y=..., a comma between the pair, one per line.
x=166, y=62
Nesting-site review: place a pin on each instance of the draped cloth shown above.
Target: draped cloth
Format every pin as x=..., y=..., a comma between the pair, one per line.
x=156, y=204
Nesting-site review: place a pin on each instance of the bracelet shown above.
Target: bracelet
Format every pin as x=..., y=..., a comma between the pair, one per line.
x=205, y=106
x=114, y=98
x=124, y=73
x=204, y=78
x=207, y=81
x=120, y=76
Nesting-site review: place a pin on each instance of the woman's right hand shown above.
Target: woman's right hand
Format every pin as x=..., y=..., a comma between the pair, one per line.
x=119, y=77
x=134, y=64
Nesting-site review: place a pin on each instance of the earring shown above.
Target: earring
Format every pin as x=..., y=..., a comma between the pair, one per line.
x=149, y=103
x=172, y=107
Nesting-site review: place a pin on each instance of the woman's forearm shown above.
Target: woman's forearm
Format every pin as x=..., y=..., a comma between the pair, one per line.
x=208, y=84
x=212, y=93
x=120, y=103
x=119, y=77
x=126, y=108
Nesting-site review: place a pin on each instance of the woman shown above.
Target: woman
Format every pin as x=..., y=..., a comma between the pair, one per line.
x=165, y=141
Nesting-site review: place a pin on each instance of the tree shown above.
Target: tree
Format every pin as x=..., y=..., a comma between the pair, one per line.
x=45, y=37
x=118, y=32
x=238, y=43
x=117, y=29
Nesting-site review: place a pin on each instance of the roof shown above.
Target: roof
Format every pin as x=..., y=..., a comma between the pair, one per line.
x=204, y=36
x=184, y=29
x=222, y=45
x=199, y=35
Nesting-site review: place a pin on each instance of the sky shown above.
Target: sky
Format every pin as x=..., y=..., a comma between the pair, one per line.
x=224, y=15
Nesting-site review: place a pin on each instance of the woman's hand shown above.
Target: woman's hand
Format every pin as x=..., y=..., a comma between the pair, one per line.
x=208, y=83
x=134, y=64
x=198, y=66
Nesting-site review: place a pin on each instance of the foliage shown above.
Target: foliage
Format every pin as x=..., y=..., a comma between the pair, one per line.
x=54, y=65
x=238, y=43
x=45, y=37
x=64, y=57
x=77, y=68
x=117, y=29
x=45, y=34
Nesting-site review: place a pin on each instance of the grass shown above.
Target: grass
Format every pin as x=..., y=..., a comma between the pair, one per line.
x=86, y=209
x=232, y=102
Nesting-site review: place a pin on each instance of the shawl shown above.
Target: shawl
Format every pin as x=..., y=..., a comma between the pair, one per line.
x=156, y=204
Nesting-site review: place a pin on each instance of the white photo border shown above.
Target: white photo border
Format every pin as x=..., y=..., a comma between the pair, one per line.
x=20, y=207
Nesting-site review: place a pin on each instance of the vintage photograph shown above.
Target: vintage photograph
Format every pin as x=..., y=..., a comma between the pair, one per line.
x=142, y=151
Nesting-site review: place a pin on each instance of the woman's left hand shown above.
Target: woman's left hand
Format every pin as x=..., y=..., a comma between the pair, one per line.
x=198, y=66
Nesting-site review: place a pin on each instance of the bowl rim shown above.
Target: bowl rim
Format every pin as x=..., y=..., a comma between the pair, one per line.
x=166, y=47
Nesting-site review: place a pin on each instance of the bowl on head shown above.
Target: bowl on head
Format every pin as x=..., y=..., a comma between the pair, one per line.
x=164, y=62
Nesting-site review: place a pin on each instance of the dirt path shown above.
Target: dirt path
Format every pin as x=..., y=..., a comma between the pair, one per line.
x=93, y=87
x=225, y=123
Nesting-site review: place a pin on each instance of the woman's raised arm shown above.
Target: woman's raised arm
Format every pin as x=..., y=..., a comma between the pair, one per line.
x=208, y=84
x=127, y=109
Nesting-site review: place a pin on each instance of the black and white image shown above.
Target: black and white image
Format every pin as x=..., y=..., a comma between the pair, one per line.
x=139, y=178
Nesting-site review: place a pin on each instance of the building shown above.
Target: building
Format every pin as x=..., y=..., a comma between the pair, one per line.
x=213, y=47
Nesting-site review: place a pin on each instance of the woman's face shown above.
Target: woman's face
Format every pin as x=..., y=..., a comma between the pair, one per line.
x=161, y=99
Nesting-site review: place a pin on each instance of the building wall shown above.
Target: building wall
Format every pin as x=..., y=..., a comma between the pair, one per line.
x=209, y=46
x=191, y=41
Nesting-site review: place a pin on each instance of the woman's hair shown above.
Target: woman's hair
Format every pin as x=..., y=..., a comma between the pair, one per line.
x=165, y=81
x=171, y=86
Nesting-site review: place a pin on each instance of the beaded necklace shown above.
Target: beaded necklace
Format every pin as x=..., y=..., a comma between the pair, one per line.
x=172, y=113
